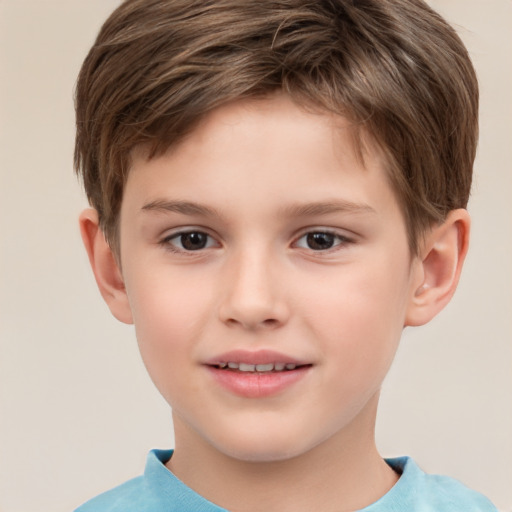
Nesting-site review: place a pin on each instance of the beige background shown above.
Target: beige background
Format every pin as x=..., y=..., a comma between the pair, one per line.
x=77, y=411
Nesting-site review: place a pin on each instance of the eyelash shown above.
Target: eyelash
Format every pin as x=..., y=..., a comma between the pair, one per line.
x=337, y=239
x=167, y=242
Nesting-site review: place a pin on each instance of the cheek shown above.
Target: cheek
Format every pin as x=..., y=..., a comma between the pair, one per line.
x=361, y=319
x=166, y=304
x=170, y=317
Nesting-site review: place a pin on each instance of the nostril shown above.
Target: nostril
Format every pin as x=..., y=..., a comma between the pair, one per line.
x=268, y=323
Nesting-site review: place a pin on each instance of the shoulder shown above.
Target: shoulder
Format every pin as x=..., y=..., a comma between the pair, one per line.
x=156, y=490
x=130, y=496
x=448, y=492
x=422, y=492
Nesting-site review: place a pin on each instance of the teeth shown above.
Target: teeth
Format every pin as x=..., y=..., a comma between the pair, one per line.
x=246, y=367
x=264, y=367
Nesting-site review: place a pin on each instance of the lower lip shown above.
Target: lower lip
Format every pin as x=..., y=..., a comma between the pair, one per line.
x=257, y=385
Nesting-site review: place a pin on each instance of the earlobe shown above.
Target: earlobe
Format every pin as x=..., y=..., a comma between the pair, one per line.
x=104, y=266
x=440, y=266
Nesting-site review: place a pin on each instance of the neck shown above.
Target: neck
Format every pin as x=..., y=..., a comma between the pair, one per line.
x=343, y=473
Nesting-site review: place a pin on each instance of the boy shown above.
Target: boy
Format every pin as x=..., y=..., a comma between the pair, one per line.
x=278, y=189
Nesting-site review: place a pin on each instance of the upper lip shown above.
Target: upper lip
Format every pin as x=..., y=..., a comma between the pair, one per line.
x=255, y=357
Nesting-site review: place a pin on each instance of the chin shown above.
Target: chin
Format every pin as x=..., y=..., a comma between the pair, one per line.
x=263, y=456
x=262, y=448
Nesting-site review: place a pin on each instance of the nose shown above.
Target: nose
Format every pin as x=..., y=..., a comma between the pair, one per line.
x=253, y=293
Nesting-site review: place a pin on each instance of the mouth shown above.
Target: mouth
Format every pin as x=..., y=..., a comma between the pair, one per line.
x=257, y=374
x=258, y=368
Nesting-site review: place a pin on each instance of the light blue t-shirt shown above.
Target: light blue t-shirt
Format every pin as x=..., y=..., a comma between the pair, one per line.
x=158, y=490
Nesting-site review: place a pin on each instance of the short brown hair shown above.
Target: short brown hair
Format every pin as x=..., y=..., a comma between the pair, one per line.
x=393, y=67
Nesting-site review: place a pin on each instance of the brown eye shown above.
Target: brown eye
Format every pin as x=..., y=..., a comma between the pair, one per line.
x=320, y=241
x=190, y=241
x=193, y=241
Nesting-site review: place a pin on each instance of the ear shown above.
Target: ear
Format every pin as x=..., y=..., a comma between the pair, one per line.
x=439, y=266
x=105, y=267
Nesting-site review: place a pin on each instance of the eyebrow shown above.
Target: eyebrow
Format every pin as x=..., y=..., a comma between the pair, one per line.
x=183, y=207
x=327, y=207
x=294, y=210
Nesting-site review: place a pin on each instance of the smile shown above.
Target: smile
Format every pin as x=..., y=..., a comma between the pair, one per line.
x=259, y=368
x=260, y=374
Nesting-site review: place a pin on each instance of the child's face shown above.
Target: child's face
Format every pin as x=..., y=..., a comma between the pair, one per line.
x=262, y=239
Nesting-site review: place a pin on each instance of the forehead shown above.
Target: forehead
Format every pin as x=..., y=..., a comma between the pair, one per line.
x=271, y=147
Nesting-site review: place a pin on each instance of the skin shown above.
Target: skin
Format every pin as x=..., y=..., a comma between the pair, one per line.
x=255, y=178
